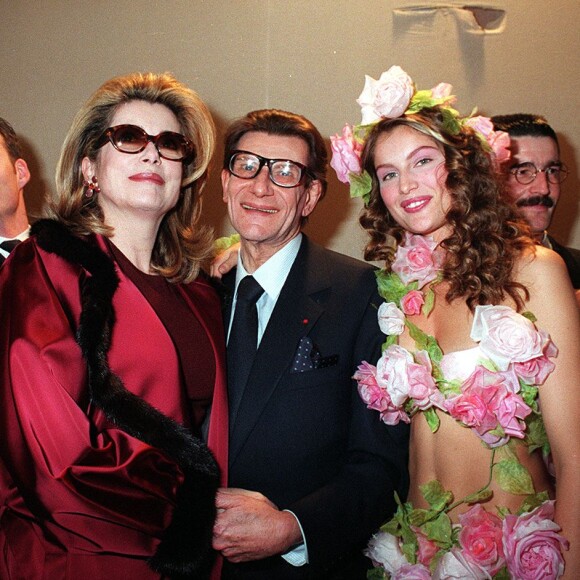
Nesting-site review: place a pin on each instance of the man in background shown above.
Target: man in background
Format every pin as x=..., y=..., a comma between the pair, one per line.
x=535, y=174
x=14, y=175
x=312, y=472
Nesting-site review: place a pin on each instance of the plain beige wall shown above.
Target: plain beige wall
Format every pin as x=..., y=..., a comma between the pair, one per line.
x=307, y=56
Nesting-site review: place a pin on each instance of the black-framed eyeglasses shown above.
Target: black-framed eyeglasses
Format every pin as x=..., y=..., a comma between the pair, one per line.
x=282, y=172
x=525, y=173
x=132, y=139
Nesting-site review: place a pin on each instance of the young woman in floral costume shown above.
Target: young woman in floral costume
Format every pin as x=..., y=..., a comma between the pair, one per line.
x=473, y=313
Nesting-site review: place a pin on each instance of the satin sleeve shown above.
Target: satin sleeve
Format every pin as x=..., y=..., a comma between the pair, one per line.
x=87, y=484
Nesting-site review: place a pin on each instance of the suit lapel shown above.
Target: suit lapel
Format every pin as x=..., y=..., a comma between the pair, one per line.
x=294, y=315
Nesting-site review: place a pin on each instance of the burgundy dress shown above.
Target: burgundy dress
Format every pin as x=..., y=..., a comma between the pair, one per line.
x=79, y=496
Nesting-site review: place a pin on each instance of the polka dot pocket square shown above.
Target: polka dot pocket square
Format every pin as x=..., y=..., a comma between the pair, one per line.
x=309, y=358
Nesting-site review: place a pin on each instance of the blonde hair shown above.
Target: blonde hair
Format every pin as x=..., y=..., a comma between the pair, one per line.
x=183, y=245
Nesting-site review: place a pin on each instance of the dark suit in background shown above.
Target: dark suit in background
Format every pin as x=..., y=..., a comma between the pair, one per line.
x=571, y=257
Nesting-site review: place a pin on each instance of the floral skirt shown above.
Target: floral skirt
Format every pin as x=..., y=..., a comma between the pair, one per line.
x=481, y=546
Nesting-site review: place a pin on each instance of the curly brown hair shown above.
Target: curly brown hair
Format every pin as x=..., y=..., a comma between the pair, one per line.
x=487, y=237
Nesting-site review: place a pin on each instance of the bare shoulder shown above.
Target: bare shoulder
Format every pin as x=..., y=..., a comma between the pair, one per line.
x=542, y=270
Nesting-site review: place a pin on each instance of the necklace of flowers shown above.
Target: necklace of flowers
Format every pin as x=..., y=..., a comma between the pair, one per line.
x=394, y=95
x=498, y=401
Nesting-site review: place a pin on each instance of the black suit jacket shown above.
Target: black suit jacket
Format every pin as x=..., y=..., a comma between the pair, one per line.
x=305, y=439
x=571, y=257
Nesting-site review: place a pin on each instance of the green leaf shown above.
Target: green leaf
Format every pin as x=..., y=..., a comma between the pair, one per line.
x=390, y=286
x=513, y=477
x=418, y=517
x=377, y=573
x=502, y=511
x=435, y=495
x=225, y=242
x=531, y=502
x=432, y=419
x=502, y=574
x=451, y=122
x=478, y=497
x=360, y=185
x=449, y=387
x=424, y=341
x=429, y=302
x=391, y=339
x=529, y=394
x=536, y=436
x=440, y=530
x=530, y=316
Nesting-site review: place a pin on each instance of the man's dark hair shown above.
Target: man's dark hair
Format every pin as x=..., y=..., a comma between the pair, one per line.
x=524, y=125
x=11, y=140
x=276, y=122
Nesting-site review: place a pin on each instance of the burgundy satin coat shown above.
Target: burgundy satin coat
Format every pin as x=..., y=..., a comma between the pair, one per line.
x=79, y=497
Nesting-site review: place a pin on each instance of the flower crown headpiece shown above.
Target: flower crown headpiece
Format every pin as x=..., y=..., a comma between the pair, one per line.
x=394, y=95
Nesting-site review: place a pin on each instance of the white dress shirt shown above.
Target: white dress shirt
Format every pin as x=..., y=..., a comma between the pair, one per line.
x=22, y=236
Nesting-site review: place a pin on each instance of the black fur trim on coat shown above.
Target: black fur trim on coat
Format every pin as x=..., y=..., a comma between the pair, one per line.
x=185, y=549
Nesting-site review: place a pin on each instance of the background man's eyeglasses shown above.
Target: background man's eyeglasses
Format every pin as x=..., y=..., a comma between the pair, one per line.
x=132, y=139
x=525, y=173
x=282, y=172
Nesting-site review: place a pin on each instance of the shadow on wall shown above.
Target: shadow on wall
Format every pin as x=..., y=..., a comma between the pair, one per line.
x=567, y=210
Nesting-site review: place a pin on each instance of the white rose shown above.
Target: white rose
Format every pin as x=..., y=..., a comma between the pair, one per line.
x=455, y=565
x=384, y=550
x=391, y=319
x=506, y=336
x=388, y=97
x=393, y=373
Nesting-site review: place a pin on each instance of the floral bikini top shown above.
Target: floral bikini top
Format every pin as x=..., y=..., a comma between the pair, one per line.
x=491, y=389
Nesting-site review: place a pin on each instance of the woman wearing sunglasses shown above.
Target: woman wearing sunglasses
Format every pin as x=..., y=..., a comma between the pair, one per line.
x=112, y=351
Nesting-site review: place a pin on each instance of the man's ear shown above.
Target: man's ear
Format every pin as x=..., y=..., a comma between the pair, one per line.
x=312, y=196
x=225, y=177
x=22, y=172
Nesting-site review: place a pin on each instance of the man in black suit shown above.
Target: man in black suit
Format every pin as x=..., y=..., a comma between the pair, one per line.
x=535, y=173
x=14, y=175
x=312, y=472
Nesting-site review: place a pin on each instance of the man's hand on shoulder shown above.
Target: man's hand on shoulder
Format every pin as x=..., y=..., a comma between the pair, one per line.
x=250, y=527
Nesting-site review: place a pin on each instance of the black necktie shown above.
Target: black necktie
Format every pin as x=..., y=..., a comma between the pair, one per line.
x=8, y=246
x=243, y=341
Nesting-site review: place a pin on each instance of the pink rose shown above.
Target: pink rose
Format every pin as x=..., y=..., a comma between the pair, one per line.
x=488, y=400
x=384, y=550
x=427, y=548
x=412, y=302
x=481, y=539
x=506, y=336
x=454, y=564
x=532, y=545
x=499, y=141
x=376, y=397
x=443, y=91
x=417, y=260
x=391, y=319
x=422, y=387
x=536, y=370
x=388, y=97
x=346, y=151
x=411, y=572
x=480, y=124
